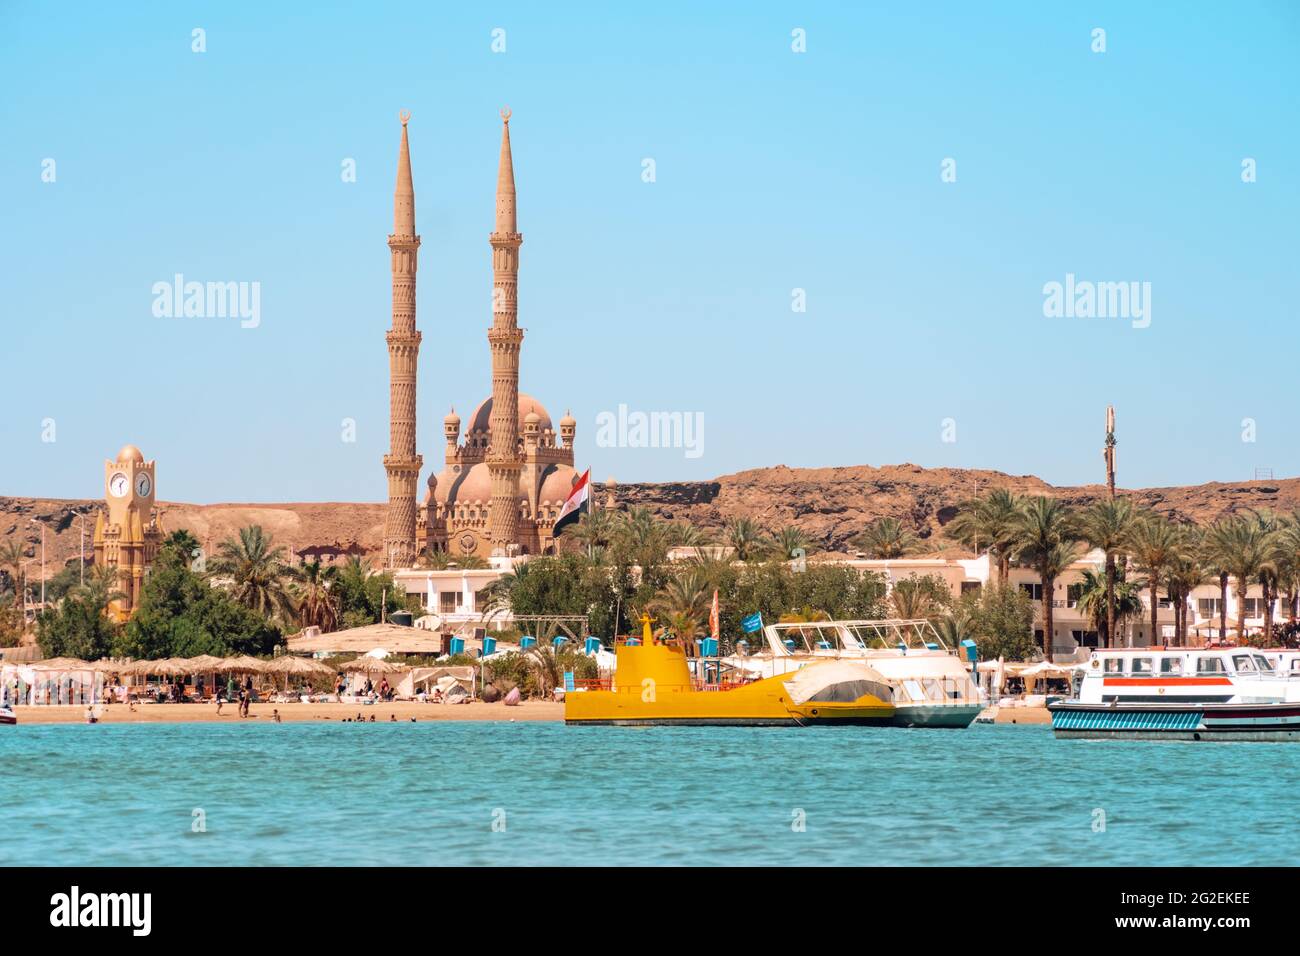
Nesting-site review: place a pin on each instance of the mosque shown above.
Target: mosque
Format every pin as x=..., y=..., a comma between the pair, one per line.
x=501, y=487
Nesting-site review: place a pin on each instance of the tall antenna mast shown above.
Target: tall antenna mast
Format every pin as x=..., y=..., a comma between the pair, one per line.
x=1109, y=451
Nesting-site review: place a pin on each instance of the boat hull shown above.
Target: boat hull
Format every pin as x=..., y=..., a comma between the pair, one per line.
x=1272, y=722
x=955, y=716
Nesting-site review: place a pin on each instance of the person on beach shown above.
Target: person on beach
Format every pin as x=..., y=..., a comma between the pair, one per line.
x=220, y=701
x=275, y=714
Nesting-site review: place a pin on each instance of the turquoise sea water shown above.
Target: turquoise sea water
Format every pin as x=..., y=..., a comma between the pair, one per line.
x=429, y=793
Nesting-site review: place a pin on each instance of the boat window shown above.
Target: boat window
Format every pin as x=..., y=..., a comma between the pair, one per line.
x=1295, y=664
x=1264, y=664
x=1171, y=665
x=1114, y=665
x=1210, y=665
x=1243, y=664
x=1141, y=665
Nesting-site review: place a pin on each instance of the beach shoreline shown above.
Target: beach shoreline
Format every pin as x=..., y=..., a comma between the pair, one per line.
x=528, y=710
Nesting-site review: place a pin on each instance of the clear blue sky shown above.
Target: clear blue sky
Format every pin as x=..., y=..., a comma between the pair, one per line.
x=775, y=171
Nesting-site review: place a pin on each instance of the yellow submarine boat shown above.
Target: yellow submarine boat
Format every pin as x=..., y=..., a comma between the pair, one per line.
x=653, y=685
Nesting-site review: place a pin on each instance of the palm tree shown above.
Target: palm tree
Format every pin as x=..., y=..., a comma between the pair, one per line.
x=101, y=588
x=955, y=626
x=1271, y=568
x=1046, y=540
x=1241, y=548
x=593, y=530
x=12, y=554
x=684, y=602
x=805, y=615
x=989, y=524
x=642, y=538
x=315, y=606
x=683, y=534
x=1186, y=573
x=1107, y=525
x=912, y=599
x=746, y=538
x=183, y=544
x=885, y=539
x=1287, y=559
x=255, y=567
x=790, y=541
x=1154, y=543
x=1215, y=547
x=1105, y=601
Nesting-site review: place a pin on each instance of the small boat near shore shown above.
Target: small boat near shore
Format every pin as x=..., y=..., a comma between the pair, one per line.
x=654, y=685
x=1167, y=693
x=7, y=716
x=930, y=685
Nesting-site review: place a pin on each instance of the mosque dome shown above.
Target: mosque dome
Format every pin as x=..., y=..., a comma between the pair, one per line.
x=469, y=485
x=452, y=418
x=482, y=417
x=568, y=421
x=130, y=453
x=557, y=483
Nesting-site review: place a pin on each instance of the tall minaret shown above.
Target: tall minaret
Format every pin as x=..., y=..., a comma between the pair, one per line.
x=505, y=337
x=402, y=463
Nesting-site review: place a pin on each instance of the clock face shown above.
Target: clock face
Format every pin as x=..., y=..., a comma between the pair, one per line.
x=118, y=485
x=143, y=485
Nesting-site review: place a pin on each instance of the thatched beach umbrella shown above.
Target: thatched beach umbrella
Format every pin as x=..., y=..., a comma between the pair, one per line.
x=62, y=664
x=288, y=665
x=241, y=665
x=204, y=663
x=373, y=665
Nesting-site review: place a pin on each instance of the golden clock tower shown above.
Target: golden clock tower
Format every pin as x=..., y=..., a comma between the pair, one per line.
x=127, y=537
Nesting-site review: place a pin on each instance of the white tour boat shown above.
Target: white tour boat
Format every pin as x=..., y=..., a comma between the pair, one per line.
x=929, y=684
x=1180, y=693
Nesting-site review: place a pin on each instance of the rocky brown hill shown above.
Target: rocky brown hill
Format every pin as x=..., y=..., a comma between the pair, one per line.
x=830, y=505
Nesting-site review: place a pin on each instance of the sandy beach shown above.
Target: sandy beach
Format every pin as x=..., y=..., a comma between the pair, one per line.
x=207, y=713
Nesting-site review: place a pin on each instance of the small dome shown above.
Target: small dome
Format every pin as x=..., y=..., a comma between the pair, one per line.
x=568, y=421
x=452, y=418
x=130, y=453
x=433, y=481
x=532, y=418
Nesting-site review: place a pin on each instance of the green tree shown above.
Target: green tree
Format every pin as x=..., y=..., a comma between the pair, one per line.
x=76, y=628
x=181, y=614
x=256, y=571
x=792, y=543
x=1107, y=604
x=886, y=538
x=1001, y=619
x=747, y=540
x=1240, y=546
x=988, y=524
x=1046, y=540
x=914, y=598
x=184, y=545
x=1154, y=543
x=12, y=556
x=316, y=606
x=1108, y=525
x=363, y=595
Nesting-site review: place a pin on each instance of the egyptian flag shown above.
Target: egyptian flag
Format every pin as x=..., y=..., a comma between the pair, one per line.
x=575, y=505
